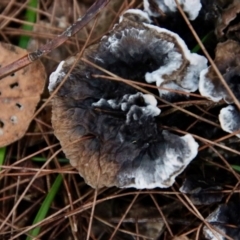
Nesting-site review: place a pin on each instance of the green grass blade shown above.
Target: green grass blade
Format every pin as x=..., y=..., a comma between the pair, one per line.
x=203, y=40
x=42, y=159
x=42, y=212
x=30, y=16
x=2, y=156
x=236, y=167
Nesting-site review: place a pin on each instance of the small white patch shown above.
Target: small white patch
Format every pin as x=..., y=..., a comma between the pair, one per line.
x=127, y=104
x=145, y=111
x=229, y=118
x=206, y=87
x=169, y=165
x=167, y=69
x=190, y=81
x=63, y=22
x=99, y=103
x=150, y=99
x=171, y=86
x=191, y=7
x=213, y=217
x=112, y=103
x=14, y=120
x=113, y=40
x=55, y=77
x=1, y=132
x=143, y=16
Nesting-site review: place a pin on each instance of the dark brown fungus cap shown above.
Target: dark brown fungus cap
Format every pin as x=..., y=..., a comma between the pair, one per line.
x=227, y=59
x=226, y=220
x=125, y=145
x=228, y=23
x=201, y=191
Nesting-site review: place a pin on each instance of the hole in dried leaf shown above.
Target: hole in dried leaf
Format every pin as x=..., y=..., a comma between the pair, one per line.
x=12, y=75
x=1, y=124
x=18, y=105
x=14, y=85
x=14, y=119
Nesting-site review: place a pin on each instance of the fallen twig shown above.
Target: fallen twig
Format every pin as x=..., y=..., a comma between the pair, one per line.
x=56, y=42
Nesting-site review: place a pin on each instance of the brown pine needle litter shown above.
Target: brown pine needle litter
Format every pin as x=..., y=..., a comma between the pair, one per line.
x=42, y=196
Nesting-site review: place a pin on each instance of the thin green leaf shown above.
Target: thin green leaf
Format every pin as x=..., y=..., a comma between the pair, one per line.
x=30, y=16
x=203, y=40
x=41, y=159
x=42, y=212
x=236, y=167
x=2, y=156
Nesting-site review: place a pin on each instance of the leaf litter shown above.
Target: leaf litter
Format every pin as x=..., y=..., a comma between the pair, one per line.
x=78, y=212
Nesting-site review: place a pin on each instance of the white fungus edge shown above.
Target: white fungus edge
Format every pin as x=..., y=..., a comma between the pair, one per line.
x=138, y=12
x=163, y=172
x=206, y=88
x=150, y=109
x=208, y=233
x=191, y=7
x=227, y=120
x=56, y=76
x=197, y=64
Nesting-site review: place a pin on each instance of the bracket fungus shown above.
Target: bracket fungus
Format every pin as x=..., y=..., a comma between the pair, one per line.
x=176, y=68
x=228, y=25
x=20, y=93
x=201, y=191
x=126, y=147
x=226, y=220
x=156, y=7
x=229, y=118
x=227, y=59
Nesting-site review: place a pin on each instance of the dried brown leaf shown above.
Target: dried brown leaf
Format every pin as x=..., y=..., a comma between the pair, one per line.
x=19, y=94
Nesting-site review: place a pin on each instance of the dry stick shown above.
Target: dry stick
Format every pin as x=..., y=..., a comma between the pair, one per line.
x=162, y=215
x=124, y=215
x=189, y=205
x=26, y=189
x=147, y=85
x=14, y=14
x=15, y=200
x=198, y=232
x=190, y=231
x=56, y=42
x=93, y=207
x=48, y=219
x=71, y=220
x=208, y=56
x=31, y=182
x=230, y=169
x=220, y=140
x=234, y=190
x=122, y=230
x=26, y=158
x=204, y=140
x=226, y=163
